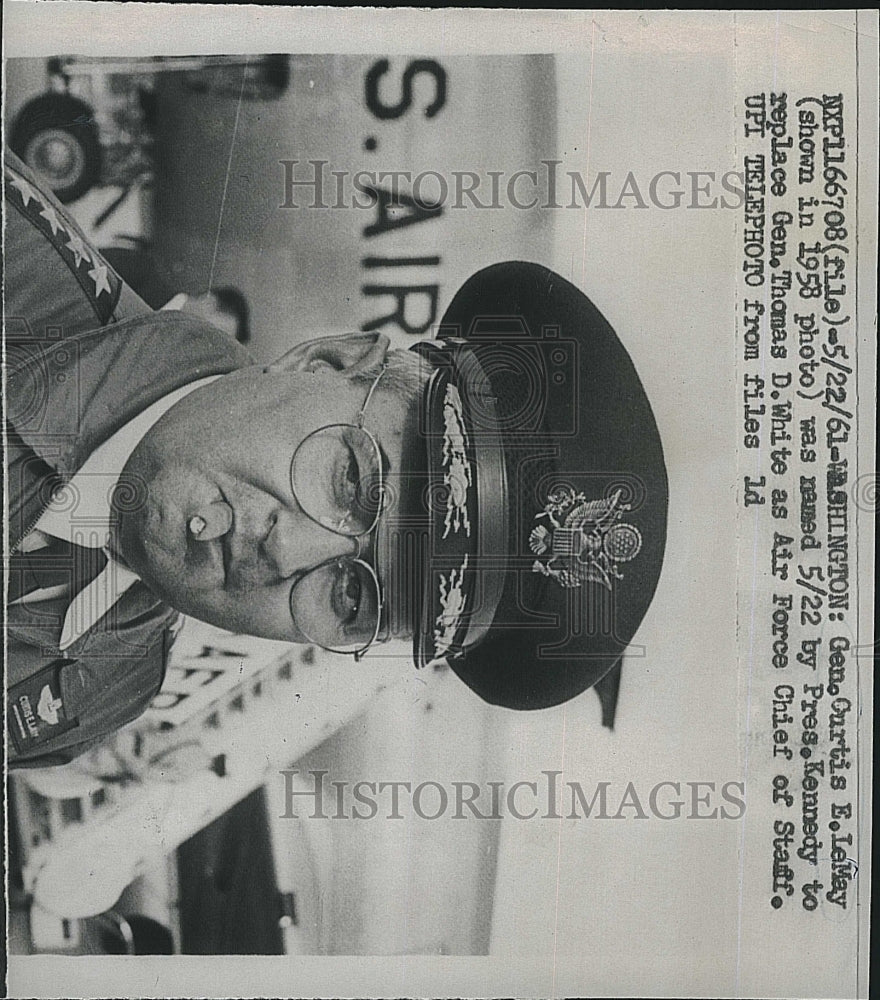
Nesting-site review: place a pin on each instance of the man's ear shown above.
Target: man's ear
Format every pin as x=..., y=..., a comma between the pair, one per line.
x=346, y=352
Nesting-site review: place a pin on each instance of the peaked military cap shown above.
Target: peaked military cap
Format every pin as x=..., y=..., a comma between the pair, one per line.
x=546, y=492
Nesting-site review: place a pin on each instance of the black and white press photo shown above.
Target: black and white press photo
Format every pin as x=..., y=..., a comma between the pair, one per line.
x=439, y=501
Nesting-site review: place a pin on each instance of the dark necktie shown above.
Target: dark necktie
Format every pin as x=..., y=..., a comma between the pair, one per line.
x=58, y=563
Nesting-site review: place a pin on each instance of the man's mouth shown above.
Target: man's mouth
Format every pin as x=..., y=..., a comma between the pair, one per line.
x=224, y=541
x=209, y=559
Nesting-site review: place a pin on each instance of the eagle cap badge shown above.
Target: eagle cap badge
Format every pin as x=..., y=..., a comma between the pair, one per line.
x=581, y=541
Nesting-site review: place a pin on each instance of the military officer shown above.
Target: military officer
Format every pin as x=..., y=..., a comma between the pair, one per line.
x=497, y=494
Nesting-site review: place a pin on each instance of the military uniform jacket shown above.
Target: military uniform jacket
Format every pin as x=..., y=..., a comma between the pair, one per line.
x=84, y=356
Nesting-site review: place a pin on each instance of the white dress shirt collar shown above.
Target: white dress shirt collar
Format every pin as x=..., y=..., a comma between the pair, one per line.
x=81, y=514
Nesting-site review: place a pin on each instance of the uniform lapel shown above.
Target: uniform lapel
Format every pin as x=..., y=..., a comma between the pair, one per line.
x=64, y=398
x=59, y=563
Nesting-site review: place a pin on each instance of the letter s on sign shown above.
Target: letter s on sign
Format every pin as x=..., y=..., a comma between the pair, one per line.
x=389, y=111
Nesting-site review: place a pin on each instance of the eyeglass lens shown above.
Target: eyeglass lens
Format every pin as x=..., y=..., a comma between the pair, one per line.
x=337, y=605
x=336, y=478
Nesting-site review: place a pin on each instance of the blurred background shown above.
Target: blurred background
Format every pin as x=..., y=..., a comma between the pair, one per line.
x=177, y=166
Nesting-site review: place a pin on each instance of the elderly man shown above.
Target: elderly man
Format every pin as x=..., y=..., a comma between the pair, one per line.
x=90, y=368
x=122, y=499
x=498, y=495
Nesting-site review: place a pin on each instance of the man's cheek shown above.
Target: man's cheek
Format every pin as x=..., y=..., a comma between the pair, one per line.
x=260, y=613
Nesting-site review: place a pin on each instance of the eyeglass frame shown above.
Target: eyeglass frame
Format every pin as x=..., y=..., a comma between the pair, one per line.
x=355, y=559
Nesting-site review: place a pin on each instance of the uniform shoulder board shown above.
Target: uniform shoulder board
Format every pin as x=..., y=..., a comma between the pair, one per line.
x=99, y=282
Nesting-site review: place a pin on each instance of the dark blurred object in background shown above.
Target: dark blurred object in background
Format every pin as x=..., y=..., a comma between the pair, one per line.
x=94, y=126
x=138, y=267
x=57, y=136
x=228, y=895
x=231, y=302
x=225, y=307
x=133, y=934
x=263, y=79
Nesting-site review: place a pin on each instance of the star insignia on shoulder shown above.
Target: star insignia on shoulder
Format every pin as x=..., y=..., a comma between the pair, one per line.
x=98, y=274
x=51, y=216
x=78, y=248
x=24, y=189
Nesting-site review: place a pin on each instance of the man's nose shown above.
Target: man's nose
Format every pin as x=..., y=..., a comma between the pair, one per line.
x=298, y=543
